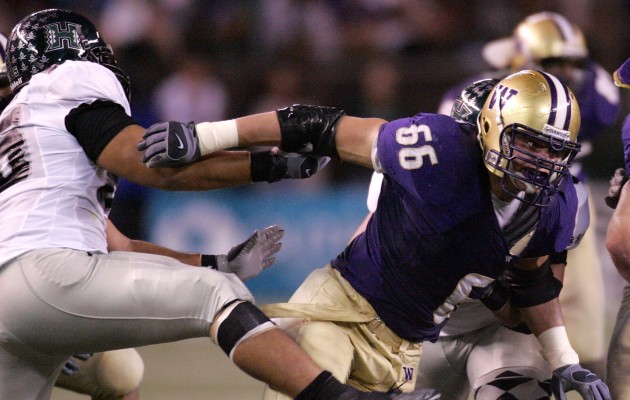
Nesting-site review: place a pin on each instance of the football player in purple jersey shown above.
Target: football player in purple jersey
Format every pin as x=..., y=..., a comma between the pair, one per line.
x=466, y=211
x=618, y=244
x=475, y=354
x=549, y=42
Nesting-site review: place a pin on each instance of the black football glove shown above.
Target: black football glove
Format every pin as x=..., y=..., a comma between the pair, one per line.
x=274, y=165
x=614, y=190
x=170, y=144
x=575, y=377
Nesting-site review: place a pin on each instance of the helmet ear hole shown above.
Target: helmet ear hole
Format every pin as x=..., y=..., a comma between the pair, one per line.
x=486, y=126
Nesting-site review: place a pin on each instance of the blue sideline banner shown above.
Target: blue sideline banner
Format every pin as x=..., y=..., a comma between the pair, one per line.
x=318, y=223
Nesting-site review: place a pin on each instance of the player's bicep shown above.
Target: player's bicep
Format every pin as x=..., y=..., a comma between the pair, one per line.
x=354, y=139
x=95, y=124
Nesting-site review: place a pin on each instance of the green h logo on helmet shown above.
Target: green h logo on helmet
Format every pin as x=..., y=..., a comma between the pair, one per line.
x=59, y=38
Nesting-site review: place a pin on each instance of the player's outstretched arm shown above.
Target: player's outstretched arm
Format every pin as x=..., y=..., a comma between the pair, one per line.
x=312, y=131
x=246, y=259
x=316, y=130
x=175, y=144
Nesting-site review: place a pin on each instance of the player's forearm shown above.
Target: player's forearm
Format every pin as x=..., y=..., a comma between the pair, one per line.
x=216, y=171
x=140, y=246
x=546, y=322
x=258, y=129
x=219, y=170
x=544, y=316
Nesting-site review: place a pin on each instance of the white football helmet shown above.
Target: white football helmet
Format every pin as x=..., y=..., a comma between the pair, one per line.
x=528, y=131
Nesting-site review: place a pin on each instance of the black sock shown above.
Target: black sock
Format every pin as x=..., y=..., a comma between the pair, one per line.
x=325, y=386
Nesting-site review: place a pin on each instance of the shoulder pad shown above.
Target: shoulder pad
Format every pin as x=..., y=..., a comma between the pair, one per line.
x=582, y=216
x=374, y=191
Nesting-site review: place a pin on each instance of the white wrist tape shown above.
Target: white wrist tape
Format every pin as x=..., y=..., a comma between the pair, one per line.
x=215, y=136
x=556, y=348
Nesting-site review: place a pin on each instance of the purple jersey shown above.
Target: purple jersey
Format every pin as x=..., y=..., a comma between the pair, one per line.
x=434, y=239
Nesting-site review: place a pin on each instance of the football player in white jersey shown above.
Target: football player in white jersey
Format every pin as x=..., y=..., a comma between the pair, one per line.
x=65, y=137
x=115, y=374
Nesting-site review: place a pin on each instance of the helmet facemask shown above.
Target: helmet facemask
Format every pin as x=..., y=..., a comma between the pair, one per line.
x=532, y=162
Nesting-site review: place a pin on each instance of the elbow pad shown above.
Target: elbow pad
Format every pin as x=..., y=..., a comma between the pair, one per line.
x=528, y=288
x=309, y=129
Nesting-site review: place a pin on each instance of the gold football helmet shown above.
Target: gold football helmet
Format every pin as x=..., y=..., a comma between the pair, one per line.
x=549, y=42
x=544, y=36
x=528, y=131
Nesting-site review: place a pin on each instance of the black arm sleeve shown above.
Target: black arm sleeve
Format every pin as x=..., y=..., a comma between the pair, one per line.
x=529, y=288
x=95, y=125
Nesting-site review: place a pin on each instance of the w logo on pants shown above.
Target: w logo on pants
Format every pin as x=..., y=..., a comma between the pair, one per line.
x=408, y=373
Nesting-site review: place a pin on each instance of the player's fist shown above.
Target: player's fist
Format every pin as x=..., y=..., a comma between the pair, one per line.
x=616, y=184
x=575, y=377
x=169, y=144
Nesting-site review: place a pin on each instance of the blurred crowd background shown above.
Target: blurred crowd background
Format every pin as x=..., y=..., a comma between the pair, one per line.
x=206, y=60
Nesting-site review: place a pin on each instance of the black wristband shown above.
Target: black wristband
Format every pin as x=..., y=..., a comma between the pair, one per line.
x=558, y=258
x=497, y=297
x=324, y=386
x=209, y=260
x=264, y=167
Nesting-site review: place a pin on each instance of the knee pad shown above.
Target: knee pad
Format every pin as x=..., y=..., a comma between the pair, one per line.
x=238, y=321
x=119, y=371
x=513, y=385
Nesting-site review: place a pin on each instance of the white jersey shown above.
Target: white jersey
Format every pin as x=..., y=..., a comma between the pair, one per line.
x=472, y=315
x=51, y=194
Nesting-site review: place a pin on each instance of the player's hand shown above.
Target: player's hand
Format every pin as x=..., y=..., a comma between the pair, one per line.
x=418, y=394
x=616, y=184
x=274, y=165
x=249, y=258
x=298, y=166
x=71, y=366
x=575, y=377
x=169, y=144
x=622, y=75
